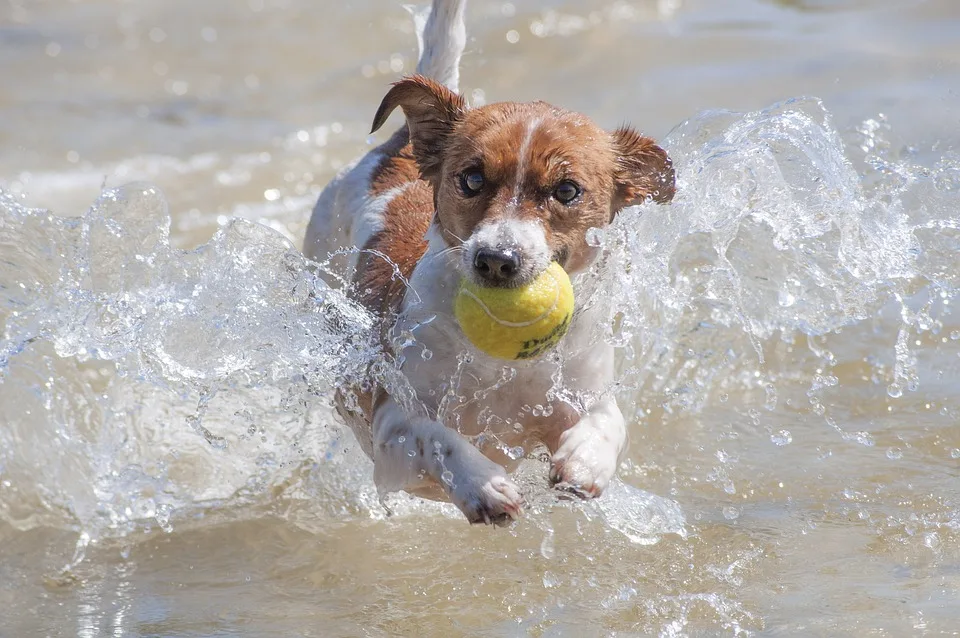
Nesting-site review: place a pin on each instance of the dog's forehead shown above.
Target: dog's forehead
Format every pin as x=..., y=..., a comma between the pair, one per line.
x=502, y=132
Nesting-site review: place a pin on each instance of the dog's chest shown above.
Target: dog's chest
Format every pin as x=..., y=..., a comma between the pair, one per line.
x=476, y=394
x=466, y=389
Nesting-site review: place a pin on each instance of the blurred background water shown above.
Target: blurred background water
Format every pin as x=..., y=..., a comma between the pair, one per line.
x=789, y=350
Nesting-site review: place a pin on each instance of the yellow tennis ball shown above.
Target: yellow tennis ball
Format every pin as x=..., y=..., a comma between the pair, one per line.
x=516, y=323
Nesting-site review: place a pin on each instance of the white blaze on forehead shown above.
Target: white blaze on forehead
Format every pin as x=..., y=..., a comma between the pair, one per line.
x=525, y=236
x=522, y=157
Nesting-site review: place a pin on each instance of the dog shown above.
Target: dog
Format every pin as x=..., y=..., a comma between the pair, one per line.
x=494, y=194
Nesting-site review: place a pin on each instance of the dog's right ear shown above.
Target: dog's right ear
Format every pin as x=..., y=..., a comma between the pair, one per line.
x=431, y=110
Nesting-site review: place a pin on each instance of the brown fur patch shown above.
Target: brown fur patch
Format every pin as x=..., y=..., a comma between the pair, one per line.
x=643, y=169
x=397, y=165
x=395, y=249
x=430, y=109
x=400, y=245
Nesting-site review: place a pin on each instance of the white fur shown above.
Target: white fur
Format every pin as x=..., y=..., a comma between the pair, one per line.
x=407, y=451
x=345, y=212
x=590, y=451
x=532, y=127
x=442, y=41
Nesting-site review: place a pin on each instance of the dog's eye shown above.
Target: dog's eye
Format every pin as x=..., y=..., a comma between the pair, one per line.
x=566, y=192
x=471, y=182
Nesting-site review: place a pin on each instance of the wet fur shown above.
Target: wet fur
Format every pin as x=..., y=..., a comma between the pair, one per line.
x=404, y=206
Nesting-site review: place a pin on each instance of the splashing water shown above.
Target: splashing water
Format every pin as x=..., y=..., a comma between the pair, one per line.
x=773, y=240
x=119, y=351
x=140, y=383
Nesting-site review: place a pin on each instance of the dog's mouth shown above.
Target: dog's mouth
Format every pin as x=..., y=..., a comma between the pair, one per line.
x=519, y=282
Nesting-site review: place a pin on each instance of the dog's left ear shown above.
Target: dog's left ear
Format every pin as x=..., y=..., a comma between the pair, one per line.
x=431, y=110
x=643, y=170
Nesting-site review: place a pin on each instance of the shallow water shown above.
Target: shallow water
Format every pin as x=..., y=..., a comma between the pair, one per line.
x=789, y=345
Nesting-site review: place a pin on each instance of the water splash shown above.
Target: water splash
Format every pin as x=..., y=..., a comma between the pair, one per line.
x=775, y=238
x=113, y=341
x=140, y=383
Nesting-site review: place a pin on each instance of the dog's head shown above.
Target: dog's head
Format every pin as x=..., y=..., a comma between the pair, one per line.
x=517, y=185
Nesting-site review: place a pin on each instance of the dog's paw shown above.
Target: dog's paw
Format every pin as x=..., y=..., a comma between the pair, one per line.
x=495, y=501
x=584, y=463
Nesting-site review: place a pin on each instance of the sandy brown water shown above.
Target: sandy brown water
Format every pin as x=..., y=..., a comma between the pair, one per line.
x=797, y=524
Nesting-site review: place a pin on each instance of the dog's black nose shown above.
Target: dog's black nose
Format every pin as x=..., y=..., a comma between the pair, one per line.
x=497, y=265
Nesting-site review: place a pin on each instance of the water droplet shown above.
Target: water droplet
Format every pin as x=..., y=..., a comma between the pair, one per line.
x=894, y=390
x=426, y=354
x=401, y=439
x=731, y=513
x=864, y=438
x=447, y=477
x=955, y=453
x=894, y=453
x=547, y=548
x=514, y=452
x=782, y=437
x=785, y=299
x=547, y=410
x=594, y=237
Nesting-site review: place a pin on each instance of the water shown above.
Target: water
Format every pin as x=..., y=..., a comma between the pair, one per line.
x=788, y=343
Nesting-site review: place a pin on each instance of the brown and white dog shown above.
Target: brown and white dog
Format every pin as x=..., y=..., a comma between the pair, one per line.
x=492, y=193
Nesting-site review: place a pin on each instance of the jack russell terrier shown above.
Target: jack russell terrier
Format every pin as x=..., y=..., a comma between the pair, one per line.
x=495, y=194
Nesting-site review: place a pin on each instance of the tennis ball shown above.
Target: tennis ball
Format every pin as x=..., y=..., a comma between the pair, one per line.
x=516, y=323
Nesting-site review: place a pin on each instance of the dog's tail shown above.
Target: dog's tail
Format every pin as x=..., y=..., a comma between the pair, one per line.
x=441, y=35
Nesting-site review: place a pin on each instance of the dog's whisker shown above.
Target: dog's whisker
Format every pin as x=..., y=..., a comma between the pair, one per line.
x=451, y=250
x=455, y=236
x=447, y=251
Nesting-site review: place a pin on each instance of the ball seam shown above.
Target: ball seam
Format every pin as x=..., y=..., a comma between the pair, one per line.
x=518, y=324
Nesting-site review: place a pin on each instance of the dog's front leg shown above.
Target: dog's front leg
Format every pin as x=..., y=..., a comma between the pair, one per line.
x=408, y=450
x=587, y=454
